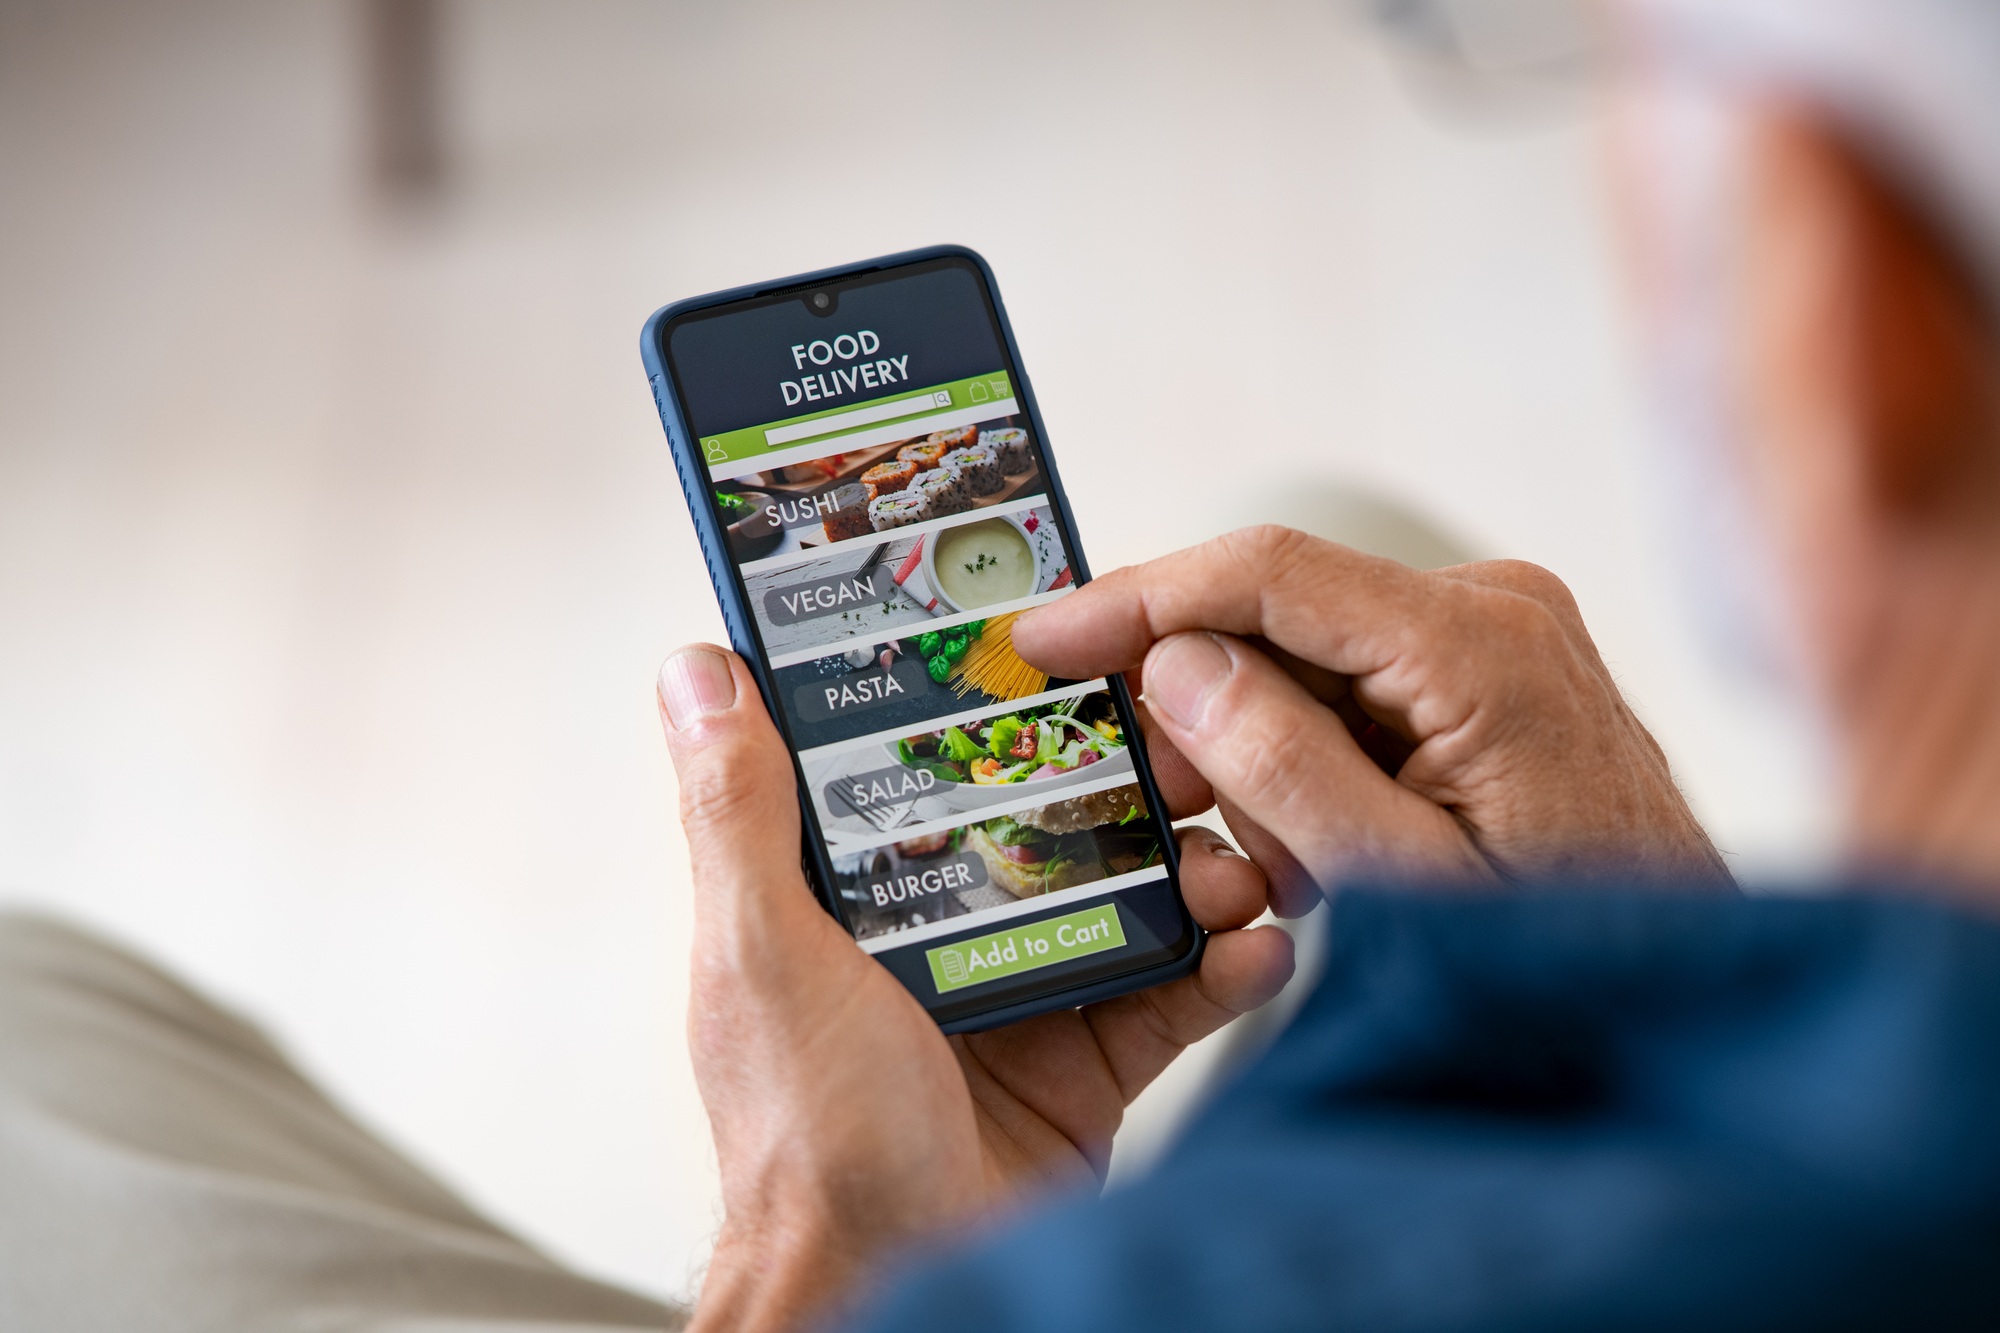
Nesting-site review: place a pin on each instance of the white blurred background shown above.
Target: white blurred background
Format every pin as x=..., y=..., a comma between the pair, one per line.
x=339, y=543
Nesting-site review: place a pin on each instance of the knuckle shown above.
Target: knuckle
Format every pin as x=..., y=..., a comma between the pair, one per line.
x=1198, y=837
x=1264, y=778
x=1529, y=629
x=714, y=794
x=1265, y=545
x=1267, y=771
x=1516, y=609
x=1288, y=565
x=1536, y=584
x=1161, y=1025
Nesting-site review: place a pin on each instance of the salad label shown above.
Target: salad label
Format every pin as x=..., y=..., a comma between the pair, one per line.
x=880, y=787
x=812, y=598
x=1006, y=953
x=837, y=696
x=961, y=871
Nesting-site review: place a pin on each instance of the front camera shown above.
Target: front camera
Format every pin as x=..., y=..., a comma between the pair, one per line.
x=821, y=300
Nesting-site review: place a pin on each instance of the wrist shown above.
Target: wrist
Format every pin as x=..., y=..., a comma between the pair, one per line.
x=766, y=1277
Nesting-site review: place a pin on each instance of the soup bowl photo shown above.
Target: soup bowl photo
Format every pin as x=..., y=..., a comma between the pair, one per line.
x=990, y=561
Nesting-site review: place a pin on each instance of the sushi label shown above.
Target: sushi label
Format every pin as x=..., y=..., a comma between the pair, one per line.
x=807, y=510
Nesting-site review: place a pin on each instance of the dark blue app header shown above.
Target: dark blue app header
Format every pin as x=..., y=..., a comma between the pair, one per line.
x=765, y=362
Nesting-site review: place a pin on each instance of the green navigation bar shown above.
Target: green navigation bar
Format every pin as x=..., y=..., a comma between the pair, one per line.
x=1025, y=948
x=851, y=417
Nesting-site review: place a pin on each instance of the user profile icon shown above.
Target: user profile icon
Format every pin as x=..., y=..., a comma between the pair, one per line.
x=716, y=453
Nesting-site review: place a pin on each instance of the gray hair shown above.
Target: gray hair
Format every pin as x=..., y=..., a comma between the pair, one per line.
x=1916, y=83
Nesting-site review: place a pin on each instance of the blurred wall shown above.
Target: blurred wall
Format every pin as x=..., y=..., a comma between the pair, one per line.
x=338, y=543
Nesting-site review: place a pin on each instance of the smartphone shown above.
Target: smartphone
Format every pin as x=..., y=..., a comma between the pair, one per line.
x=877, y=504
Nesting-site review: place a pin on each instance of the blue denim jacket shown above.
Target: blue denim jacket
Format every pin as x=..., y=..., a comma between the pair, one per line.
x=1584, y=1109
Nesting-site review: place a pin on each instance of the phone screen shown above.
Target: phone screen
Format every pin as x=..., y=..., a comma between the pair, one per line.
x=888, y=513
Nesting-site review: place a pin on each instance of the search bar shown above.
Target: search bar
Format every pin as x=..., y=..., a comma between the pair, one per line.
x=860, y=416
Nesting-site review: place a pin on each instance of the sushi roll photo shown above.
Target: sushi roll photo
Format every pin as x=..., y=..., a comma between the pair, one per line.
x=888, y=478
x=898, y=510
x=849, y=515
x=978, y=468
x=922, y=456
x=955, y=439
x=946, y=491
x=1011, y=444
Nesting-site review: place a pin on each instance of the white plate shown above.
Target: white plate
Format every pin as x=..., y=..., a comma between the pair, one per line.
x=1047, y=555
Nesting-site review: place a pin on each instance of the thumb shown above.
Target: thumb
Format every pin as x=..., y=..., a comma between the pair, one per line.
x=739, y=804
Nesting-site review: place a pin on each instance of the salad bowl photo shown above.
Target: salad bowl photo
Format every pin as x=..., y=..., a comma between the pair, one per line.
x=1028, y=752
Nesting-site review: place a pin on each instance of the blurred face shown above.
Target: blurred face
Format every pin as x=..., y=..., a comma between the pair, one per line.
x=1827, y=377
x=1824, y=363
x=1731, y=289
x=1803, y=425
x=1681, y=161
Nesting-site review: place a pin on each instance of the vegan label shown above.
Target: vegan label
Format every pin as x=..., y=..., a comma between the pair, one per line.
x=1025, y=948
x=812, y=598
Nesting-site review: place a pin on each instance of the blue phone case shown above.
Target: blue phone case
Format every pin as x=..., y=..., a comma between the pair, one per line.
x=736, y=614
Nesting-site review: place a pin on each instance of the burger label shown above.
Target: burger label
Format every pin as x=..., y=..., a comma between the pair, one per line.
x=917, y=883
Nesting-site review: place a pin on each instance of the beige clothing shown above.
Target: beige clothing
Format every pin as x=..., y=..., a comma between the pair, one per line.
x=164, y=1168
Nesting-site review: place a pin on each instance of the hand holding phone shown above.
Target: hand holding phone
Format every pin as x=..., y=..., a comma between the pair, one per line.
x=847, y=1125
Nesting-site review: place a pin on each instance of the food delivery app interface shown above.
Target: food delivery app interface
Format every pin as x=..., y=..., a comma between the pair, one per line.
x=887, y=510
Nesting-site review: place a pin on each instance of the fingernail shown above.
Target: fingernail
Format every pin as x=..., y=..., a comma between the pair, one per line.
x=695, y=682
x=1181, y=674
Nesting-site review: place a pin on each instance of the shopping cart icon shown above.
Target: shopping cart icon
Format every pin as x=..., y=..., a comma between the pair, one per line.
x=952, y=963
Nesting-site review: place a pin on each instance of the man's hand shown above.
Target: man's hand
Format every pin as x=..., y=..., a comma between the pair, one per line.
x=845, y=1123
x=1449, y=725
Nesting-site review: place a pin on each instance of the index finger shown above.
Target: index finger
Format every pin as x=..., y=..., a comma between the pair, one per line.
x=1267, y=582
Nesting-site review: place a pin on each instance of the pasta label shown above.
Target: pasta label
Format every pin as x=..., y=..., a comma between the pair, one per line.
x=859, y=692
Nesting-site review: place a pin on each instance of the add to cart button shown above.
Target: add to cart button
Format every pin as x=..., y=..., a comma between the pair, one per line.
x=1025, y=948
